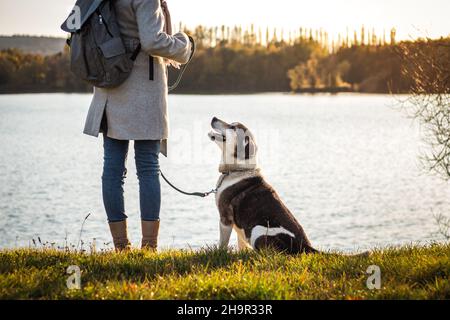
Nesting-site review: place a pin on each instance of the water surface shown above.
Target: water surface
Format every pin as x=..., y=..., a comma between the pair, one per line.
x=347, y=166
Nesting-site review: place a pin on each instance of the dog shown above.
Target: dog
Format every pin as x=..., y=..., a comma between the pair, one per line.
x=247, y=203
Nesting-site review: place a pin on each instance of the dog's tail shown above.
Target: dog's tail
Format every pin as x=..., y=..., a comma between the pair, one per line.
x=364, y=254
x=309, y=250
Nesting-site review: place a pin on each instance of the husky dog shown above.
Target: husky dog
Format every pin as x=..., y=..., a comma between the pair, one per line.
x=246, y=201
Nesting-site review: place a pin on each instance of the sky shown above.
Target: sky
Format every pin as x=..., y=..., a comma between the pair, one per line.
x=411, y=18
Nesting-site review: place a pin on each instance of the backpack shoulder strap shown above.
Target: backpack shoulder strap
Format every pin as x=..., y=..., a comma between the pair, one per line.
x=136, y=52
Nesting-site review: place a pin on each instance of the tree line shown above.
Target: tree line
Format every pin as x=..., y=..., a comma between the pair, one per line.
x=236, y=60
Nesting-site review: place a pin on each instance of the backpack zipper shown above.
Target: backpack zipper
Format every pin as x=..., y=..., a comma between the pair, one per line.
x=101, y=22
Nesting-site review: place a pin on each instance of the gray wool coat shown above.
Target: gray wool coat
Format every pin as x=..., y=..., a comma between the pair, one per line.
x=137, y=109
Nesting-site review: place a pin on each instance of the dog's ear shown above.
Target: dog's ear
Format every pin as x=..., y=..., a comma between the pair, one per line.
x=245, y=147
x=250, y=147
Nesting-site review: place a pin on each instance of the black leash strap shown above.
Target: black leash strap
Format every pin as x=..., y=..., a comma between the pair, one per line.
x=151, y=68
x=194, y=194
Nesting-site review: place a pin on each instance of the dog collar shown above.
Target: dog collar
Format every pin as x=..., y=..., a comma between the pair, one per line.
x=229, y=168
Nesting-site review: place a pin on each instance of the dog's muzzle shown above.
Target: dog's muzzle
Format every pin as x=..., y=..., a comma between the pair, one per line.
x=216, y=136
x=219, y=128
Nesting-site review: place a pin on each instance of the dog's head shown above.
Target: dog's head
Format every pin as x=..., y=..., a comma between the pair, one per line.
x=237, y=143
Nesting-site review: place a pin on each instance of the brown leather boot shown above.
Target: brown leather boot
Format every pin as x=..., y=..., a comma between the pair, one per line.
x=119, y=235
x=150, y=230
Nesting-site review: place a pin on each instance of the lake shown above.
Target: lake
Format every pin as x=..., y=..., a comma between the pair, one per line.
x=346, y=165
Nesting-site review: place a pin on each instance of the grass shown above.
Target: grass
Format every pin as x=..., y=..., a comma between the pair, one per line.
x=406, y=273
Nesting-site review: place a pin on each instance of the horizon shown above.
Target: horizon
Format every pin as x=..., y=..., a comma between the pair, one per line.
x=412, y=19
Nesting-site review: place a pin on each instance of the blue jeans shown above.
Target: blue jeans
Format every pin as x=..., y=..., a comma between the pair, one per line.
x=114, y=174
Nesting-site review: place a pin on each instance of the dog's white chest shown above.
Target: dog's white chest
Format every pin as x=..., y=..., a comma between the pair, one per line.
x=224, y=183
x=227, y=181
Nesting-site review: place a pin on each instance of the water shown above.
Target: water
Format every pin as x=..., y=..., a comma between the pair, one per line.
x=347, y=166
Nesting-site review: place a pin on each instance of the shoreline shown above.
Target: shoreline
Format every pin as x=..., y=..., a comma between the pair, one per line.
x=219, y=93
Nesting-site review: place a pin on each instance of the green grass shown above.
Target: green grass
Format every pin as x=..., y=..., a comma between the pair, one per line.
x=407, y=273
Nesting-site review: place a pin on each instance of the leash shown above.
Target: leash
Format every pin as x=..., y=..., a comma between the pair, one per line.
x=195, y=194
x=171, y=88
x=184, y=67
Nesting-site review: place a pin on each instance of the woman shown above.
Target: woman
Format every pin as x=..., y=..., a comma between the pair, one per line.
x=137, y=110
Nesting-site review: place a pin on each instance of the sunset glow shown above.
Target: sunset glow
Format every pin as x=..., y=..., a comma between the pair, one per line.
x=411, y=18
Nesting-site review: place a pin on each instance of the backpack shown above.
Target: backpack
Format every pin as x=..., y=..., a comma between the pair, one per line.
x=97, y=51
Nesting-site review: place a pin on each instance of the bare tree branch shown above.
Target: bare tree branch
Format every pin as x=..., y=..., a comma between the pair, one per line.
x=428, y=65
